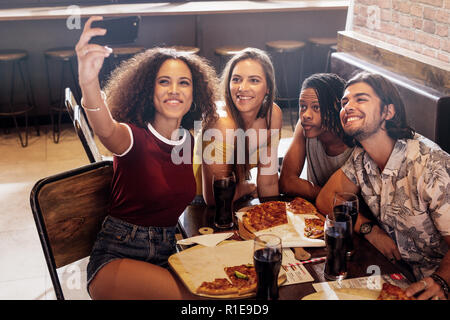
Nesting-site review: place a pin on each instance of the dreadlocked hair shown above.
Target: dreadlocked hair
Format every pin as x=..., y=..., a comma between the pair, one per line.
x=329, y=89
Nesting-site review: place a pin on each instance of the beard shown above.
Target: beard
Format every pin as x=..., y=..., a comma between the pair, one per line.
x=365, y=132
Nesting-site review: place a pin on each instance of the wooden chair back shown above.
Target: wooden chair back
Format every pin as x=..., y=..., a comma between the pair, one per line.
x=69, y=209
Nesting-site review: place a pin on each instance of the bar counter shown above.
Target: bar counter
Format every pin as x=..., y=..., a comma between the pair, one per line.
x=166, y=9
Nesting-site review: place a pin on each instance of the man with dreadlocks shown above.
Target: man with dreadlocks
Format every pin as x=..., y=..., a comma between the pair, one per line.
x=318, y=137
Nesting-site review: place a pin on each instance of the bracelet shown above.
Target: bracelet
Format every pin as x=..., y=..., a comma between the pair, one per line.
x=94, y=109
x=438, y=279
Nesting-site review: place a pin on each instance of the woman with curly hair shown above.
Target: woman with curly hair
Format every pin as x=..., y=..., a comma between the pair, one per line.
x=318, y=138
x=140, y=119
x=246, y=134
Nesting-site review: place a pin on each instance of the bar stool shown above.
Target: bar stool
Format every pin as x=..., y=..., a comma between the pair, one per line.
x=65, y=58
x=186, y=49
x=288, y=56
x=17, y=60
x=319, y=51
x=225, y=53
x=118, y=55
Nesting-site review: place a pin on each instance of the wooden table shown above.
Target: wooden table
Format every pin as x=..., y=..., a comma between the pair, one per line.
x=197, y=216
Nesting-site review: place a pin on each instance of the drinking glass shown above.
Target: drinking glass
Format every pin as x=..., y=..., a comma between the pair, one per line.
x=224, y=187
x=267, y=257
x=336, y=235
x=348, y=203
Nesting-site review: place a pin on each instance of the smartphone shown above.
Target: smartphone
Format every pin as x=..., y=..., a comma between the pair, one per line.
x=119, y=30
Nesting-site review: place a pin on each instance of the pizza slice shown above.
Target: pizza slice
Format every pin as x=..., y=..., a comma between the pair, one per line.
x=253, y=219
x=243, y=277
x=274, y=207
x=392, y=292
x=314, y=228
x=265, y=215
x=301, y=206
x=220, y=286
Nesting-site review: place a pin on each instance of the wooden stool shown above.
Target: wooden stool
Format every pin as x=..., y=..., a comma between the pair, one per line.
x=288, y=59
x=225, y=53
x=65, y=57
x=17, y=60
x=319, y=51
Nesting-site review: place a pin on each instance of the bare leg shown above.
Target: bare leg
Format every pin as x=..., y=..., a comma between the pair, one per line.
x=132, y=279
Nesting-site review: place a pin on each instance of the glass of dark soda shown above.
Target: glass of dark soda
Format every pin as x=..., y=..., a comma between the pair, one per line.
x=224, y=187
x=347, y=202
x=336, y=239
x=267, y=257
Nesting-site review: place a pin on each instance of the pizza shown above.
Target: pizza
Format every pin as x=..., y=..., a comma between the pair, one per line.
x=265, y=215
x=314, y=228
x=273, y=213
x=242, y=280
x=392, y=292
x=301, y=206
x=219, y=286
x=242, y=277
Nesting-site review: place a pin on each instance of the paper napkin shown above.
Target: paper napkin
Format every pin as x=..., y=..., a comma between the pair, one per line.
x=207, y=240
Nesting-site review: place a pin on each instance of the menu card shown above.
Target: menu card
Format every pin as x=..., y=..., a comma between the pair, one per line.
x=295, y=272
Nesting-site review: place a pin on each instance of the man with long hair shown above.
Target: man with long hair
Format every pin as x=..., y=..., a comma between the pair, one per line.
x=403, y=178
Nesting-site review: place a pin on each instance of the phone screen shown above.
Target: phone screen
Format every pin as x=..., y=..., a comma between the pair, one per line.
x=119, y=30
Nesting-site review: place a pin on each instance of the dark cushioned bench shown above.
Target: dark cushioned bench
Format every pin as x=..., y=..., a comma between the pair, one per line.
x=428, y=110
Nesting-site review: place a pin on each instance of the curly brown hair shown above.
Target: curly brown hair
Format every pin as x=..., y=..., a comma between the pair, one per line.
x=130, y=88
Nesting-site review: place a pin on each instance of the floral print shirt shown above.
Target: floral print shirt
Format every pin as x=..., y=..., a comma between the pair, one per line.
x=410, y=198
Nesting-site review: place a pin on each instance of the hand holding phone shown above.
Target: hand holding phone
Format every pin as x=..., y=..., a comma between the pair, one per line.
x=119, y=30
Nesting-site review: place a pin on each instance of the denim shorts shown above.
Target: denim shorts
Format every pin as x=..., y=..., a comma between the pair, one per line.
x=118, y=239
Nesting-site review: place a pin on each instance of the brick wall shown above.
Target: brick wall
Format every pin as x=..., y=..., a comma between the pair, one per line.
x=422, y=26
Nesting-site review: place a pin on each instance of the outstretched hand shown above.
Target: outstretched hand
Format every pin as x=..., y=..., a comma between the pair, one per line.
x=90, y=56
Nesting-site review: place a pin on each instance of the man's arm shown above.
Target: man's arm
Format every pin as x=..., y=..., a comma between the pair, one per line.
x=431, y=289
x=338, y=182
x=292, y=167
x=436, y=190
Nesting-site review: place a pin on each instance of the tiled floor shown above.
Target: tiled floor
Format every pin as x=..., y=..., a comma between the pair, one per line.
x=23, y=271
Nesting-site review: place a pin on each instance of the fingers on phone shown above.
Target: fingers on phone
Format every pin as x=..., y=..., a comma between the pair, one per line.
x=88, y=23
x=94, y=32
x=87, y=35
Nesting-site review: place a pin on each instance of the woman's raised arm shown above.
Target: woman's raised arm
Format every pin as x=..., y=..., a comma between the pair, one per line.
x=114, y=136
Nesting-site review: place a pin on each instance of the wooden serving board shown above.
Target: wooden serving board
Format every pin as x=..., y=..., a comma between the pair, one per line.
x=199, y=263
